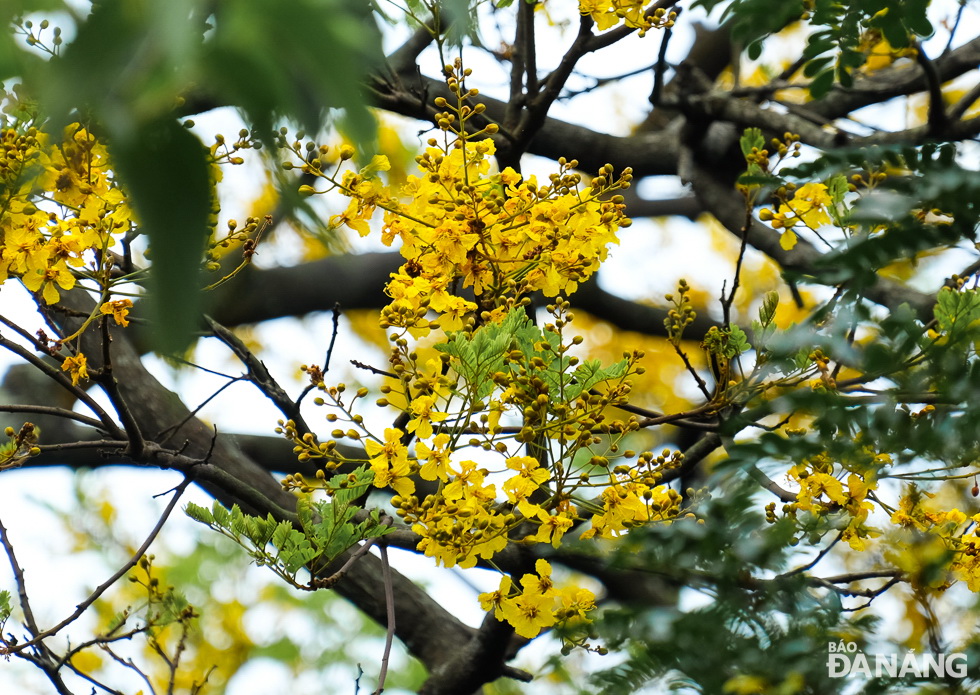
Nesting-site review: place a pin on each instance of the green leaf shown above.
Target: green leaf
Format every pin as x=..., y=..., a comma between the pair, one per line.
x=241, y=526
x=753, y=179
x=222, y=516
x=822, y=84
x=256, y=60
x=165, y=169
x=297, y=554
x=738, y=342
x=727, y=342
x=350, y=486
x=819, y=43
x=331, y=528
x=837, y=188
x=198, y=513
x=588, y=374
x=126, y=66
x=894, y=29
x=480, y=356
x=956, y=311
x=801, y=360
x=767, y=311
x=751, y=139
x=5, y=608
x=816, y=65
x=282, y=535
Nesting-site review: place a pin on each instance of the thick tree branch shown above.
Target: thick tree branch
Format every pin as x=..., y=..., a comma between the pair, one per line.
x=896, y=81
x=427, y=630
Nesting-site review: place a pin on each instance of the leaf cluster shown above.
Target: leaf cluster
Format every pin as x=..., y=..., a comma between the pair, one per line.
x=5, y=607
x=479, y=355
x=327, y=529
x=834, y=50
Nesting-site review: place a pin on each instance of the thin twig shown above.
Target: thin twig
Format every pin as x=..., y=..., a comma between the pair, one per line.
x=373, y=370
x=959, y=108
x=726, y=303
x=327, y=582
x=882, y=589
x=53, y=412
x=192, y=414
x=111, y=387
x=107, y=423
x=260, y=376
x=764, y=480
x=603, y=81
x=102, y=588
x=661, y=66
x=91, y=679
x=956, y=25
x=390, y=609
x=690, y=367
x=107, y=444
x=333, y=336
x=936, y=118
x=608, y=38
x=810, y=565
x=128, y=663
x=25, y=604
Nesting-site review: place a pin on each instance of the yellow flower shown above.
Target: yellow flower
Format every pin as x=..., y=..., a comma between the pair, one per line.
x=528, y=614
x=470, y=478
x=744, y=684
x=818, y=484
x=452, y=308
x=541, y=583
x=77, y=366
x=44, y=280
x=966, y=566
x=521, y=486
x=552, y=527
x=787, y=240
x=809, y=204
x=423, y=415
x=621, y=507
x=495, y=599
x=119, y=309
x=389, y=461
x=23, y=246
x=576, y=602
x=458, y=533
x=436, y=466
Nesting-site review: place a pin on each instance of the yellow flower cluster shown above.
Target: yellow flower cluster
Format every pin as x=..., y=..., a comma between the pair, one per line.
x=475, y=243
x=821, y=493
x=808, y=207
x=538, y=604
x=628, y=502
x=609, y=13
x=941, y=542
x=461, y=523
x=43, y=247
x=498, y=233
x=460, y=225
